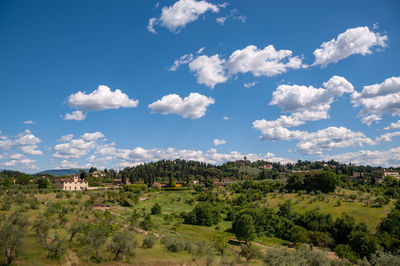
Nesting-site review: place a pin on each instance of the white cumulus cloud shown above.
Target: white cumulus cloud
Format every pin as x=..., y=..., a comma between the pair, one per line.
x=352, y=41
x=218, y=142
x=209, y=70
x=76, y=148
x=75, y=115
x=101, y=99
x=194, y=106
x=266, y=62
x=392, y=126
x=182, y=12
x=302, y=98
x=65, y=138
x=314, y=142
x=384, y=158
x=213, y=70
x=388, y=136
x=130, y=157
x=378, y=99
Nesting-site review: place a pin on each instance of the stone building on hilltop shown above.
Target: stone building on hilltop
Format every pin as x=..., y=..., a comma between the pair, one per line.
x=72, y=184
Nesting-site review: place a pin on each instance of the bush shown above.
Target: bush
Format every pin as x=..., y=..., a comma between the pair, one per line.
x=147, y=224
x=149, y=241
x=173, y=244
x=321, y=239
x=156, y=209
x=299, y=235
x=344, y=251
x=122, y=243
x=363, y=243
x=244, y=229
x=382, y=258
x=203, y=214
x=250, y=252
x=56, y=248
x=136, y=188
x=382, y=200
x=6, y=204
x=301, y=256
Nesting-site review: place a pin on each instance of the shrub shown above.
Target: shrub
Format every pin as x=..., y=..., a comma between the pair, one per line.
x=56, y=248
x=321, y=239
x=382, y=200
x=149, y=241
x=344, y=251
x=203, y=214
x=244, y=228
x=6, y=204
x=382, y=258
x=122, y=243
x=173, y=244
x=136, y=188
x=156, y=209
x=250, y=252
x=301, y=256
x=147, y=223
x=299, y=235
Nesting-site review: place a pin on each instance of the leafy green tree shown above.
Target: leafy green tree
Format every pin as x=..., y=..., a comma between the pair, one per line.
x=92, y=169
x=382, y=200
x=156, y=209
x=76, y=228
x=203, y=214
x=133, y=219
x=83, y=174
x=23, y=179
x=12, y=233
x=7, y=203
x=122, y=244
x=250, y=252
x=391, y=224
x=95, y=237
x=299, y=235
x=345, y=251
x=314, y=220
x=286, y=210
x=363, y=243
x=41, y=227
x=325, y=181
x=149, y=241
x=244, y=228
x=43, y=183
x=147, y=224
x=209, y=182
x=56, y=248
x=220, y=244
x=342, y=228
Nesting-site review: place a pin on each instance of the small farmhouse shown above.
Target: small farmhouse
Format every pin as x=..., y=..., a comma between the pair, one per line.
x=73, y=183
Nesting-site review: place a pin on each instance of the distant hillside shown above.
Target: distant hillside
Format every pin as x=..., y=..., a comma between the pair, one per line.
x=61, y=172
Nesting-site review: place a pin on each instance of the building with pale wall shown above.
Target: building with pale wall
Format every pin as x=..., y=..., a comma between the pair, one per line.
x=391, y=173
x=72, y=184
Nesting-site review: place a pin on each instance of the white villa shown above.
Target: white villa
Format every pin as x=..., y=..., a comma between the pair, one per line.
x=74, y=183
x=391, y=173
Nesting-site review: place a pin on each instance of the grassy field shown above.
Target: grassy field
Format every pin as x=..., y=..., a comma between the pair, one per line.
x=175, y=202
x=361, y=212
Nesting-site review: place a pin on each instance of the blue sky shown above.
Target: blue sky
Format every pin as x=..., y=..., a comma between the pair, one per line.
x=118, y=83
